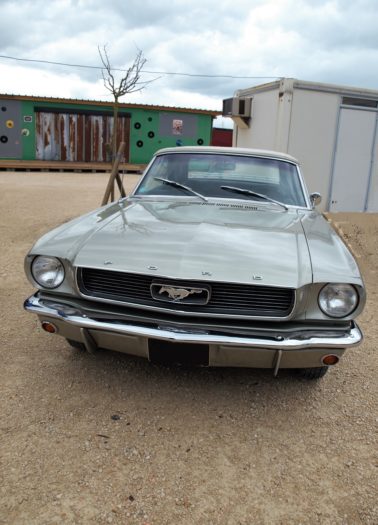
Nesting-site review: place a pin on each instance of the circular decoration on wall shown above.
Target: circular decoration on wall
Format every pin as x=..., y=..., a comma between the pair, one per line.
x=151, y=134
x=3, y=108
x=137, y=125
x=140, y=143
x=10, y=124
x=200, y=142
x=4, y=139
x=149, y=119
x=25, y=132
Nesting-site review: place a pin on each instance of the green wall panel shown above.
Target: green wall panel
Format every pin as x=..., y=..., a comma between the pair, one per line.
x=146, y=137
x=28, y=130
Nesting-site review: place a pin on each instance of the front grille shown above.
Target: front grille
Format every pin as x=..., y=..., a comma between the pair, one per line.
x=225, y=298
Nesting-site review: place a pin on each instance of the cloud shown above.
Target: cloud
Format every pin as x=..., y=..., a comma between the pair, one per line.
x=321, y=40
x=19, y=80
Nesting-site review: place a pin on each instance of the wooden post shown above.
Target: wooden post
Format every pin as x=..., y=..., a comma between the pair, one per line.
x=114, y=176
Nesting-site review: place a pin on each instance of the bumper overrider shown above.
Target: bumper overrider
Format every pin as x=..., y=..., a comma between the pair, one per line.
x=296, y=349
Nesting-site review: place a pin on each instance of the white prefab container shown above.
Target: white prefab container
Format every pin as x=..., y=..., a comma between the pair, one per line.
x=331, y=130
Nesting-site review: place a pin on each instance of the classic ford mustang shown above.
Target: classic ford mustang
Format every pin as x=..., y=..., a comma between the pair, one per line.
x=217, y=258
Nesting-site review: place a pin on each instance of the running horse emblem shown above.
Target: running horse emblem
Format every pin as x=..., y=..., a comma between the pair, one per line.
x=178, y=294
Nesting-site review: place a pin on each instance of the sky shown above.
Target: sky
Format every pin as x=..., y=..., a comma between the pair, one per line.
x=204, y=42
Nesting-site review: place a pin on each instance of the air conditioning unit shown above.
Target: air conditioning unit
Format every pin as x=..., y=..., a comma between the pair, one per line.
x=237, y=107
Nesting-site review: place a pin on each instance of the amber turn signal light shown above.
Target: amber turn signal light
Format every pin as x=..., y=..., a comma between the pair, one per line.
x=330, y=359
x=49, y=327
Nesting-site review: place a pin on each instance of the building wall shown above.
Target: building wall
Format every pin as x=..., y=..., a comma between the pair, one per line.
x=10, y=129
x=150, y=129
x=261, y=133
x=153, y=130
x=312, y=136
x=222, y=137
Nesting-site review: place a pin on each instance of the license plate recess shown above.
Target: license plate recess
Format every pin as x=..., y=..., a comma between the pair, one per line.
x=172, y=352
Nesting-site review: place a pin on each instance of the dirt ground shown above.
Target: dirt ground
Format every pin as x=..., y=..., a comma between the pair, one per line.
x=114, y=439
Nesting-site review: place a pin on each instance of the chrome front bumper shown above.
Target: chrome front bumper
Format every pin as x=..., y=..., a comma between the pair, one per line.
x=297, y=350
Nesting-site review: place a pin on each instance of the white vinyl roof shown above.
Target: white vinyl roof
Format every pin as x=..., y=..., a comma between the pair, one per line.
x=229, y=151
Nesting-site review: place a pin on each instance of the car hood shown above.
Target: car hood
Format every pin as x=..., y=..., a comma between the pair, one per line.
x=201, y=241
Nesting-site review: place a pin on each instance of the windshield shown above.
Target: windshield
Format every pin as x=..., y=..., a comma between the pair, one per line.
x=210, y=174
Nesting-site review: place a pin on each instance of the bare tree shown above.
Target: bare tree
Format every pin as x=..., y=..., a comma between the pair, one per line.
x=130, y=82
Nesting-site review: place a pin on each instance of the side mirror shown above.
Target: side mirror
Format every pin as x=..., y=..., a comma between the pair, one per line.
x=315, y=199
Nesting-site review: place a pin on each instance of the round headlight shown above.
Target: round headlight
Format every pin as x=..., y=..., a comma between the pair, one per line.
x=338, y=300
x=47, y=271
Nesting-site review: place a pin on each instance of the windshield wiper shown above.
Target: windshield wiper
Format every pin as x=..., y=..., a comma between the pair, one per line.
x=182, y=186
x=253, y=194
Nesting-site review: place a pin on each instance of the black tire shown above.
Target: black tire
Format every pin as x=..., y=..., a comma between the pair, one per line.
x=312, y=373
x=76, y=344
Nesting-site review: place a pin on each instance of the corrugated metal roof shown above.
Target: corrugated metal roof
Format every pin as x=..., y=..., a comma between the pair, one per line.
x=125, y=105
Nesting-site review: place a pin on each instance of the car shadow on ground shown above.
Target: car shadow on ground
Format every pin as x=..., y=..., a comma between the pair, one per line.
x=127, y=374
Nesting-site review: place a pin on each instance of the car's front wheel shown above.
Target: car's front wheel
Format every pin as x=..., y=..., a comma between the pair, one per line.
x=312, y=373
